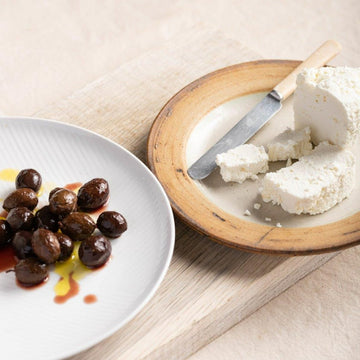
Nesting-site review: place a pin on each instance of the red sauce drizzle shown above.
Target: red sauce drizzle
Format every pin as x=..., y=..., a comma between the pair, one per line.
x=98, y=211
x=4, y=214
x=7, y=258
x=74, y=290
x=90, y=299
x=73, y=186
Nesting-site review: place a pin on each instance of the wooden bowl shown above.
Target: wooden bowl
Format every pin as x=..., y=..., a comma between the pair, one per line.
x=166, y=156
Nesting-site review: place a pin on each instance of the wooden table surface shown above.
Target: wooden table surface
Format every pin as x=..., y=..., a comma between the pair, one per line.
x=111, y=65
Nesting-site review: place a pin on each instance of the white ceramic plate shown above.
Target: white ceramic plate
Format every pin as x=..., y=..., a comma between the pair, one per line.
x=32, y=325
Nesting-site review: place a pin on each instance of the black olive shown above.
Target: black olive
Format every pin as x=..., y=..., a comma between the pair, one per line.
x=95, y=251
x=28, y=178
x=93, y=194
x=20, y=218
x=45, y=219
x=45, y=245
x=111, y=224
x=62, y=202
x=66, y=246
x=53, y=191
x=78, y=226
x=5, y=233
x=22, y=244
x=30, y=272
x=21, y=197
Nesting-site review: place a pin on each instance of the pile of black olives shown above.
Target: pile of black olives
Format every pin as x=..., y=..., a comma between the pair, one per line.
x=48, y=235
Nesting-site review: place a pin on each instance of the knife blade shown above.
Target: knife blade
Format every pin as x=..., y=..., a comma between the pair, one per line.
x=262, y=112
x=239, y=134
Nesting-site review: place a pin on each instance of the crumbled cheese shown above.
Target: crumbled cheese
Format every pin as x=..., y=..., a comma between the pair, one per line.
x=278, y=225
x=328, y=100
x=257, y=206
x=242, y=162
x=247, y=212
x=315, y=183
x=268, y=219
x=290, y=144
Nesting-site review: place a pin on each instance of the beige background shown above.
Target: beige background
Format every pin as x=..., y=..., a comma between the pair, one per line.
x=50, y=49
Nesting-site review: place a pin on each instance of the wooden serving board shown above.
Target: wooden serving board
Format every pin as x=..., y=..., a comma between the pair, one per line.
x=209, y=288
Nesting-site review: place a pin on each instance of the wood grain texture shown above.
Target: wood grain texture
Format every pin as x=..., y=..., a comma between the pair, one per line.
x=208, y=288
x=167, y=160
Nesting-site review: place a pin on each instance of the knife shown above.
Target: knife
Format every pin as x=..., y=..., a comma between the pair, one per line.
x=262, y=112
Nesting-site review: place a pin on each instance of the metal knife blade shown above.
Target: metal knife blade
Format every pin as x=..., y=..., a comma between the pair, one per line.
x=238, y=135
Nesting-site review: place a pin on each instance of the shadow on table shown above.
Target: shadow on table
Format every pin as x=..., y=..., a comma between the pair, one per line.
x=208, y=258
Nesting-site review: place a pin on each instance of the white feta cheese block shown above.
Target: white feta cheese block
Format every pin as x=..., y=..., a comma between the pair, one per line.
x=315, y=183
x=328, y=100
x=242, y=162
x=290, y=144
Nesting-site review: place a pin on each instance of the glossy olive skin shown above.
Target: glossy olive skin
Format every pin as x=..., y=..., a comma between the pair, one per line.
x=62, y=202
x=111, y=224
x=30, y=272
x=93, y=194
x=5, y=233
x=20, y=218
x=21, y=197
x=53, y=191
x=45, y=246
x=66, y=246
x=78, y=226
x=22, y=244
x=95, y=251
x=28, y=178
x=45, y=219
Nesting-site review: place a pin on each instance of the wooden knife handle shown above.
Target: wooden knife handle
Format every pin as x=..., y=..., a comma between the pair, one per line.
x=320, y=57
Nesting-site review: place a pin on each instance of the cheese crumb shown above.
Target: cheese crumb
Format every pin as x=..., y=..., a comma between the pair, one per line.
x=242, y=162
x=257, y=206
x=247, y=212
x=268, y=219
x=290, y=144
x=278, y=225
